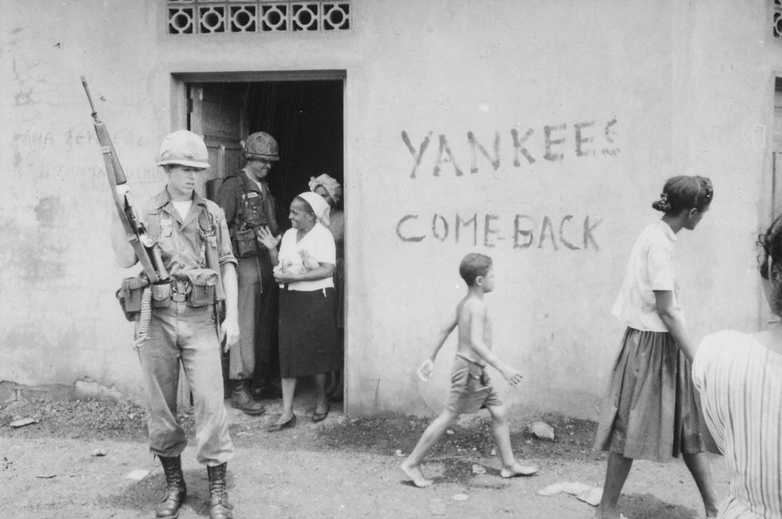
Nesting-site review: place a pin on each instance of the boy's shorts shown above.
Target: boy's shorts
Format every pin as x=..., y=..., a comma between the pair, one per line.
x=471, y=388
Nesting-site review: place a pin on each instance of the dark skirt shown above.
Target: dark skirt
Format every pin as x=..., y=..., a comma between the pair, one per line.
x=651, y=409
x=308, y=333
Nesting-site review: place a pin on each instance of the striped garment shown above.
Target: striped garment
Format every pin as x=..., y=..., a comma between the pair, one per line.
x=740, y=383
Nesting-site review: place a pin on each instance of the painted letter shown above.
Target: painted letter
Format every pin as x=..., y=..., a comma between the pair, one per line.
x=465, y=223
x=517, y=230
x=588, y=234
x=547, y=225
x=399, y=229
x=495, y=162
x=553, y=157
x=445, y=148
x=566, y=243
x=435, y=233
x=613, y=151
x=421, y=150
x=518, y=147
x=488, y=231
x=581, y=140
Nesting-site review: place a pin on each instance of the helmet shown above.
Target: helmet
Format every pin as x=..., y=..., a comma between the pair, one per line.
x=184, y=148
x=260, y=145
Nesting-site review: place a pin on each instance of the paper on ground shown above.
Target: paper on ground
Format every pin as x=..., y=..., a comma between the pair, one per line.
x=591, y=496
x=137, y=475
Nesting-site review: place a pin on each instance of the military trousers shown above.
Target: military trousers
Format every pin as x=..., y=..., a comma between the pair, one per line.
x=181, y=336
x=254, y=275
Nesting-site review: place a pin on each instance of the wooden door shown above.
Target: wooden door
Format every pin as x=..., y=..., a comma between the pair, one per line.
x=217, y=112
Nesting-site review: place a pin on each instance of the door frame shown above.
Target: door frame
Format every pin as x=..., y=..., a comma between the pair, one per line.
x=179, y=120
x=180, y=80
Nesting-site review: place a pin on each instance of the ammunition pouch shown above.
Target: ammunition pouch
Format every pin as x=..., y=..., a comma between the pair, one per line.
x=199, y=289
x=129, y=296
x=203, y=283
x=161, y=295
x=246, y=243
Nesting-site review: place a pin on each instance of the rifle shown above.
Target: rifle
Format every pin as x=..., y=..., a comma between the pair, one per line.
x=145, y=247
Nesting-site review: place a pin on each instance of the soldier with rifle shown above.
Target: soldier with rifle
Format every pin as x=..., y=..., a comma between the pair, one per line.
x=190, y=238
x=249, y=206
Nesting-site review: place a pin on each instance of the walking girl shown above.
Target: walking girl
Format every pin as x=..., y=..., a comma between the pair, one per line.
x=650, y=411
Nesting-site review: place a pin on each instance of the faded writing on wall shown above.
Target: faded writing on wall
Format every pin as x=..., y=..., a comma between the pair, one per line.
x=39, y=154
x=552, y=143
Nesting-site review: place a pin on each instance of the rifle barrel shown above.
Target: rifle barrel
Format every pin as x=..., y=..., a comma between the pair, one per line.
x=89, y=98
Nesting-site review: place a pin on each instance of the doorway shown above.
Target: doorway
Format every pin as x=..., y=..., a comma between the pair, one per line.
x=303, y=112
x=304, y=117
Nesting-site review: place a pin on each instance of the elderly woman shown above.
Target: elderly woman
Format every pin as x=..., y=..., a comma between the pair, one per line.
x=307, y=328
x=739, y=377
x=328, y=187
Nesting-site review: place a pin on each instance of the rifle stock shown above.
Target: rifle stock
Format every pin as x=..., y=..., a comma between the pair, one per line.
x=144, y=246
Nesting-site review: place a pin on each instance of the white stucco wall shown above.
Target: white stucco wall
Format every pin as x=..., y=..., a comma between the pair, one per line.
x=630, y=92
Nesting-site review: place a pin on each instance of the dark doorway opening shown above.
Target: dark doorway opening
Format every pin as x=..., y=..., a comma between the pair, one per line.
x=305, y=117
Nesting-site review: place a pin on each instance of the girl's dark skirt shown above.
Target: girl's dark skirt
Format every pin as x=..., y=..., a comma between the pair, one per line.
x=308, y=333
x=651, y=410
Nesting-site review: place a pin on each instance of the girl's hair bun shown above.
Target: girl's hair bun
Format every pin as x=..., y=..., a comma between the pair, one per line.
x=662, y=204
x=684, y=192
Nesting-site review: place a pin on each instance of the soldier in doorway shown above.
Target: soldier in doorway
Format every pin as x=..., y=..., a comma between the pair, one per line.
x=248, y=206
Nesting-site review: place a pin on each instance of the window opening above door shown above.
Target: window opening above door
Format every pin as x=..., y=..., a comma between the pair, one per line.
x=253, y=16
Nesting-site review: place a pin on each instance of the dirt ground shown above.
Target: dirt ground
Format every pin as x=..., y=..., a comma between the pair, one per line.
x=338, y=468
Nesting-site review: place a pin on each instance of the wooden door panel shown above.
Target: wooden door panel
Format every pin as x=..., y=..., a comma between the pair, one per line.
x=217, y=113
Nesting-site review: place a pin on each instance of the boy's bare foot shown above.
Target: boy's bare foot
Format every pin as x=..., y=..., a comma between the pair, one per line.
x=415, y=474
x=518, y=470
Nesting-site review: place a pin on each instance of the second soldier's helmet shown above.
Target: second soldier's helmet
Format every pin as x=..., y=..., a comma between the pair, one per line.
x=260, y=145
x=183, y=148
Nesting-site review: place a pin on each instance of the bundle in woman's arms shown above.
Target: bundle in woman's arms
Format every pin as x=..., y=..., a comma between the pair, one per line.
x=297, y=263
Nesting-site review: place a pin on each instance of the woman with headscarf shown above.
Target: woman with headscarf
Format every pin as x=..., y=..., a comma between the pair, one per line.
x=331, y=191
x=304, y=266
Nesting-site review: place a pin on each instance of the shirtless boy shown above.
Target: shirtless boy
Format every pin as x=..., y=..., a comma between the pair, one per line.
x=471, y=389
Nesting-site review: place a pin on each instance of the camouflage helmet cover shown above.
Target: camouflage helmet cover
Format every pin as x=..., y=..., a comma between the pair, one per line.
x=260, y=145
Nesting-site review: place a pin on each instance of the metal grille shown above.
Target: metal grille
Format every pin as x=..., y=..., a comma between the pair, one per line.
x=210, y=16
x=778, y=18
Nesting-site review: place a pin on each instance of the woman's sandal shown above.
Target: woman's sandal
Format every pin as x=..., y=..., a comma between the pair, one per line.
x=319, y=417
x=291, y=422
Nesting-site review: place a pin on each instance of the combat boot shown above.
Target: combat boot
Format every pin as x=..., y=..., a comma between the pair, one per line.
x=242, y=399
x=176, y=491
x=219, y=508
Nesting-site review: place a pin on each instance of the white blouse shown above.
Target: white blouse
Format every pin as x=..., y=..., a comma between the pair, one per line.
x=319, y=244
x=650, y=268
x=740, y=385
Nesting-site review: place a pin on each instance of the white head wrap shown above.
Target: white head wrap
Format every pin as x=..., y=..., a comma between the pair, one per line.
x=320, y=207
x=330, y=184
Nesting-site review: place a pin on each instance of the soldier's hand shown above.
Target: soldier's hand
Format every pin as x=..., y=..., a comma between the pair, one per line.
x=229, y=333
x=266, y=238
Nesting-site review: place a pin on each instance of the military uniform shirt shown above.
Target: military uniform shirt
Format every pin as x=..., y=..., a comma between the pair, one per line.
x=179, y=240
